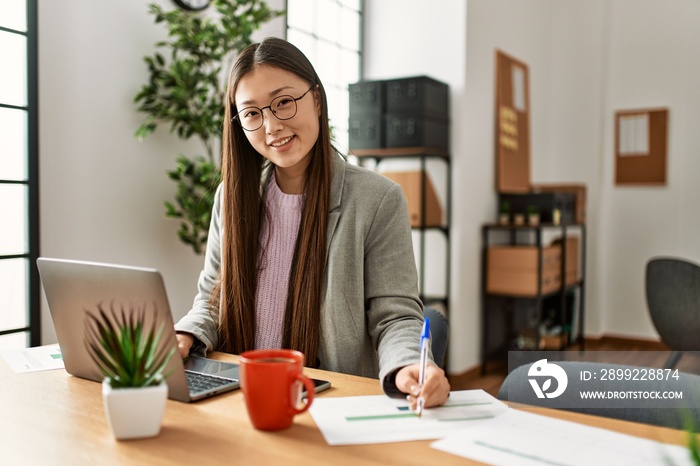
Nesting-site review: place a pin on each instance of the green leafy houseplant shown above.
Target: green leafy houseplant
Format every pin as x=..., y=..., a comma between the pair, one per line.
x=505, y=207
x=128, y=353
x=185, y=90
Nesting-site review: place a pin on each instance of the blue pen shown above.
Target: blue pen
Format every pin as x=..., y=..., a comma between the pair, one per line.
x=424, y=346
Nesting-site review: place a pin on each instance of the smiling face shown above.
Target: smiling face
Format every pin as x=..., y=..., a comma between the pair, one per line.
x=285, y=143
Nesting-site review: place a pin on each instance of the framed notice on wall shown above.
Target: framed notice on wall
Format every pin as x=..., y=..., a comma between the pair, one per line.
x=512, y=125
x=641, y=139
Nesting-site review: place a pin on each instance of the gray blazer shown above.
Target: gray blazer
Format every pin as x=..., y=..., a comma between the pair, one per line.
x=371, y=314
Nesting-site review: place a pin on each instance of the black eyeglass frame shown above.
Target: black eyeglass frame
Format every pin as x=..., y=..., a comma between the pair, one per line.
x=262, y=114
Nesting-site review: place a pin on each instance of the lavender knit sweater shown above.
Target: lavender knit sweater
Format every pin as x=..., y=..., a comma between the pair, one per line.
x=278, y=239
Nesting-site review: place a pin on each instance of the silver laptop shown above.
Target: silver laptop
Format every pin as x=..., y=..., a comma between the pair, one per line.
x=75, y=287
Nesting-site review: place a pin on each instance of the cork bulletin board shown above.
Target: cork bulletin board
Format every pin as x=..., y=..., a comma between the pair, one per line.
x=512, y=125
x=641, y=140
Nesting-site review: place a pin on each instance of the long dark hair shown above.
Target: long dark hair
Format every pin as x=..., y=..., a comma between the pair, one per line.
x=243, y=211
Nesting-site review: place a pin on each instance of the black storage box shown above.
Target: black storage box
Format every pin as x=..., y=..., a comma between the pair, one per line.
x=366, y=130
x=367, y=96
x=411, y=130
x=419, y=95
x=545, y=203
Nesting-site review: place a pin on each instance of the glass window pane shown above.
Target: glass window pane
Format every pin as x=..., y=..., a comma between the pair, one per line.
x=13, y=212
x=13, y=134
x=350, y=63
x=17, y=340
x=333, y=105
x=338, y=110
x=300, y=14
x=13, y=14
x=329, y=32
x=305, y=43
x=350, y=30
x=328, y=20
x=354, y=4
x=14, y=309
x=13, y=78
x=343, y=108
x=328, y=63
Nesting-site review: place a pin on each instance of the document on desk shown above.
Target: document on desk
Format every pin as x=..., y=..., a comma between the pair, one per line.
x=520, y=438
x=39, y=358
x=356, y=420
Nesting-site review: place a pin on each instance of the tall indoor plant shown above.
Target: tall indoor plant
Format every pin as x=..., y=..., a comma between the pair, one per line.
x=185, y=90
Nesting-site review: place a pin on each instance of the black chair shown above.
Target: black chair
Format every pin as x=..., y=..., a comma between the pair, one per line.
x=439, y=332
x=673, y=299
x=677, y=414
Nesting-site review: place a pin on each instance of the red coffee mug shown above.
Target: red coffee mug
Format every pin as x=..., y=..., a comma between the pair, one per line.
x=271, y=383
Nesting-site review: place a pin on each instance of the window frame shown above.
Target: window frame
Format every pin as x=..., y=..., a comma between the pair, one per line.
x=360, y=52
x=31, y=180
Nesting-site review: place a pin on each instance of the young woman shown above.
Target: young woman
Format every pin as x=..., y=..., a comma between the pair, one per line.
x=306, y=251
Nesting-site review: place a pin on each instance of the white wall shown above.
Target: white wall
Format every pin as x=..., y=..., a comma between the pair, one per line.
x=653, y=60
x=586, y=59
x=102, y=192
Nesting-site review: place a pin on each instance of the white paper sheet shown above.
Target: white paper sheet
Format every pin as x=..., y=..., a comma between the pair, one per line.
x=39, y=358
x=379, y=419
x=633, y=135
x=519, y=438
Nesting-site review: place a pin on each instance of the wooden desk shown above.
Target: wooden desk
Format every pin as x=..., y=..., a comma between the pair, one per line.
x=52, y=418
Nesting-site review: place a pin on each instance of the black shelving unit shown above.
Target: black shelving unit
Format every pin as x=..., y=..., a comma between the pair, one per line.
x=423, y=154
x=502, y=312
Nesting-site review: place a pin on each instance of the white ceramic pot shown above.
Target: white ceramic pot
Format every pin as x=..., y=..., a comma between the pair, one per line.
x=134, y=412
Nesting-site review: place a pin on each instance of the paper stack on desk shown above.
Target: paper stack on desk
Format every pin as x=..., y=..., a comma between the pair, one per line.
x=38, y=358
x=475, y=425
x=380, y=419
x=520, y=438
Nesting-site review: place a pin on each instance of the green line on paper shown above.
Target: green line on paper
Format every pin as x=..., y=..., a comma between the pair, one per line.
x=457, y=405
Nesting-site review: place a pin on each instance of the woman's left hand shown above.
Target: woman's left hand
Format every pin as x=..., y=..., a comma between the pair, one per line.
x=435, y=390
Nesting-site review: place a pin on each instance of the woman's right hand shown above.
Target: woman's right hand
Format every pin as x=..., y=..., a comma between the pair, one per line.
x=184, y=343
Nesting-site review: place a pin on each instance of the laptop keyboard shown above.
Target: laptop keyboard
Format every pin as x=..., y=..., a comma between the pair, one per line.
x=199, y=383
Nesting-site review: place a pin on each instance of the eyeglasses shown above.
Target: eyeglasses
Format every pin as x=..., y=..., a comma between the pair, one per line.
x=284, y=107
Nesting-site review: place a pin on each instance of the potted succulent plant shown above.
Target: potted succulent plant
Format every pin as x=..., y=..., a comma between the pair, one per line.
x=519, y=218
x=129, y=353
x=504, y=213
x=533, y=215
